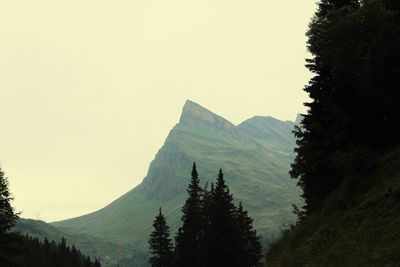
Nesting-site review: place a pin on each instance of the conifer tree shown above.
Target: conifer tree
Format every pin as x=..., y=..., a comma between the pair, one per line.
x=249, y=243
x=190, y=234
x=160, y=243
x=74, y=257
x=88, y=262
x=35, y=253
x=206, y=200
x=354, y=94
x=8, y=217
x=63, y=251
x=221, y=241
x=225, y=234
x=97, y=263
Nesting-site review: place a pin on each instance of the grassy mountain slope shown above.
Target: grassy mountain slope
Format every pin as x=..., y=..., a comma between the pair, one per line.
x=272, y=133
x=359, y=224
x=256, y=168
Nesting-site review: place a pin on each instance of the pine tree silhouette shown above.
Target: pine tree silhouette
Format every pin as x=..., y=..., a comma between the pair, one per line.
x=354, y=94
x=160, y=243
x=249, y=243
x=8, y=241
x=221, y=241
x=214, y=231
x=189, y=235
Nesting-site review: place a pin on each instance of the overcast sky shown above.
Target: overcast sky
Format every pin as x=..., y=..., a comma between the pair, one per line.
x=90, y=89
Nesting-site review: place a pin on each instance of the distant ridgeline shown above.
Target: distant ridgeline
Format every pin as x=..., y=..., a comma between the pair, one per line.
x=256, y=156
x=348, y=155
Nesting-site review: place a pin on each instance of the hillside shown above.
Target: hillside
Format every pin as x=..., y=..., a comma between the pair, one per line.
x=359, y=224
x=98, y=248
x=255, y=156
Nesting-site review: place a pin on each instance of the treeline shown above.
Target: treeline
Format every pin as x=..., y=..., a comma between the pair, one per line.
x=24, y=251
x=354, y=113
x=35, y=253
x=214, y=231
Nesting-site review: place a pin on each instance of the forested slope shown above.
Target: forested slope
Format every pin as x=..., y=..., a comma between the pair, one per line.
x=348, y=154
x=359, y=225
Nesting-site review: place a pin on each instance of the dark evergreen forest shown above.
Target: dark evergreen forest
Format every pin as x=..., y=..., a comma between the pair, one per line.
x=347, y=155
x=35, y=253
x=214, y=231
x=354, y=115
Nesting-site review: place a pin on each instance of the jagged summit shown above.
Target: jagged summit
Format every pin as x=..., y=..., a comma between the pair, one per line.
x=193, y=112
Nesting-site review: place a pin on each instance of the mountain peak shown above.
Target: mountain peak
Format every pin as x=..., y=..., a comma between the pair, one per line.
x=193, y=106
x=194, y=112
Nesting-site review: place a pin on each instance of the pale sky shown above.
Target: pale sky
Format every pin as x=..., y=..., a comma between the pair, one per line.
x=90, y=89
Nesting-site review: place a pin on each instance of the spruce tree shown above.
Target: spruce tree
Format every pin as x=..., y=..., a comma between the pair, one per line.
x=189, y=235
x=221, y=241
x=34, y=252
x=249, y=243
x=8, y=217
x=88, y=262
x=354, y=94
x=74, y=257
x=63, y=251
x=97, y=263
x=160, y=243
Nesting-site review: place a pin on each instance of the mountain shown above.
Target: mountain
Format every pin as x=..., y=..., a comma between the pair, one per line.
x=255, y=156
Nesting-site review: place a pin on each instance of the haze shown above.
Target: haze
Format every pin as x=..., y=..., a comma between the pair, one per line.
x=90, y=89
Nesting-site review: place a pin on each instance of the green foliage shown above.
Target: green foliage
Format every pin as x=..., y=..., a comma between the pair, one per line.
x=354, y=92
x=160, y=243
x=361, y=229
x=345, y=163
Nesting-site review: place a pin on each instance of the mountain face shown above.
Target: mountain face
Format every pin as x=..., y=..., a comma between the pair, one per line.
x=255, y=156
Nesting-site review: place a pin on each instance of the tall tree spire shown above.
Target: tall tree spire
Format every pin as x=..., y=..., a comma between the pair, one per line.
x=160, y=243
x=189, y=235
x=8, y=217
x=249, y=243
x=221, y=244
